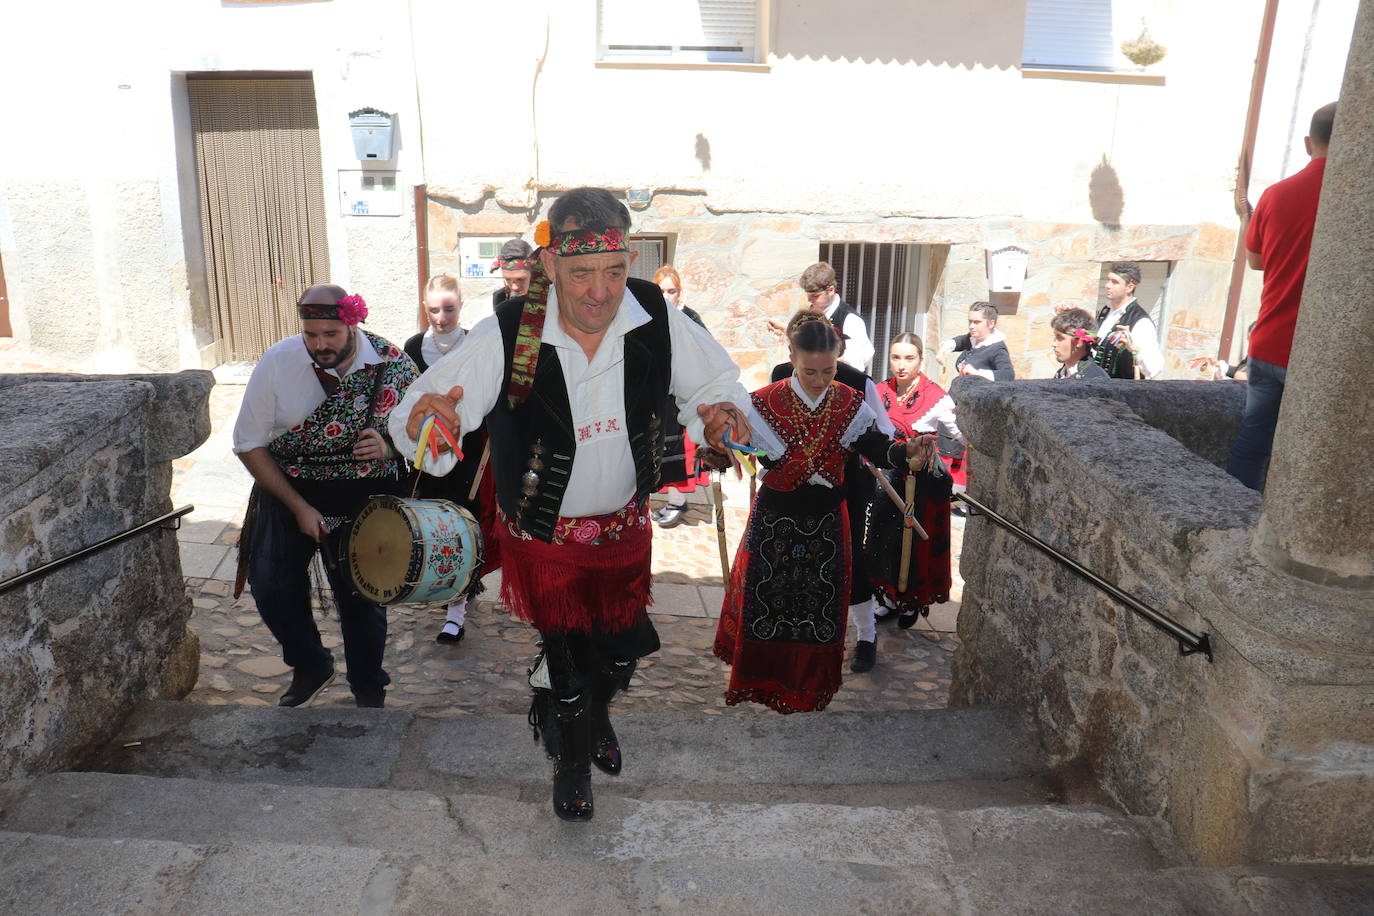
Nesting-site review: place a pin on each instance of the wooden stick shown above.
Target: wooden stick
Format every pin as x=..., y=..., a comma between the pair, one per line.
x=481, y=468
x=719, y=497
x=909, y=520
x=903, y=577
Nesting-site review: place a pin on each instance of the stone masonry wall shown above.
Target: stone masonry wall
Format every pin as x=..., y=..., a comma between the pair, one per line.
x=1267, y=754
x=83, y=458
x=739, y=270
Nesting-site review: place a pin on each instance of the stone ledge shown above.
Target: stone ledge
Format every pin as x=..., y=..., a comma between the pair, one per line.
x=176, y=396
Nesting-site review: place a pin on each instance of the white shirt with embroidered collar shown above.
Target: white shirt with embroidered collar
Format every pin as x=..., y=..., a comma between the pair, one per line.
x=603, y=474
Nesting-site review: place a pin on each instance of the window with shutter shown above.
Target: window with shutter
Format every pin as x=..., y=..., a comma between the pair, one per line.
x=1068, y=34
x=707, y=31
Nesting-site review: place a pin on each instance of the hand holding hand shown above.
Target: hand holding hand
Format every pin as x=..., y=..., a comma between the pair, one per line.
x=370, y=446
x=919, y=449
x=443, y=406
x=724, y=418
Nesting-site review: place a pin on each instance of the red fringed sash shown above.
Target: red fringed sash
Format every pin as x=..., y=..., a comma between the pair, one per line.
x=597, y=578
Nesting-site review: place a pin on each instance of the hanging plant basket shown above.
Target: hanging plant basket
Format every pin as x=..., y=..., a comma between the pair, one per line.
x=1143, y=51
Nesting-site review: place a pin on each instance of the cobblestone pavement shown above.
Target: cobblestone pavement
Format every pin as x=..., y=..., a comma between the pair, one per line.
x=240, y=662
x=485, y=672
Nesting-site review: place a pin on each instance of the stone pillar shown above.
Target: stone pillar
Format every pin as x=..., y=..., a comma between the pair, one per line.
x=1319, y=498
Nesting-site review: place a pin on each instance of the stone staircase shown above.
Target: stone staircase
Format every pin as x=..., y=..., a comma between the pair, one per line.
x=227, y=810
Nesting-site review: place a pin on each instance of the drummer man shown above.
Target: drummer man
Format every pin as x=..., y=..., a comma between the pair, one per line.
x=575, y=381
x=312, y=431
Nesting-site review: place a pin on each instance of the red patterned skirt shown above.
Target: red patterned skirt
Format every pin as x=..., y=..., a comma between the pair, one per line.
x=782, y=625
x=593, y=577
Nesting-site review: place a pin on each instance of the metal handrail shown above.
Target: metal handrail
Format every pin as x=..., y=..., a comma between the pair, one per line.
x=1189, y=642
x=40, y=571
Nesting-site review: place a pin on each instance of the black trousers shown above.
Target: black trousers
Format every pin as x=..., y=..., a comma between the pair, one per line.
x=278, y=571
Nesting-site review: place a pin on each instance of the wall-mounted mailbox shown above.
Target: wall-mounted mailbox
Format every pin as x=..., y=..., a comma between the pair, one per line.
x=374, y=134
x=1007, y=269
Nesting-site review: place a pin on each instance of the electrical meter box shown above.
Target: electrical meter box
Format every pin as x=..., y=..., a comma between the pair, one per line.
x=374, y=134
x=477, y=253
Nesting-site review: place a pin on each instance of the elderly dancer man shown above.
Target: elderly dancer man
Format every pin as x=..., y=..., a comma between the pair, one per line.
x=575, y=382
x=312, y=432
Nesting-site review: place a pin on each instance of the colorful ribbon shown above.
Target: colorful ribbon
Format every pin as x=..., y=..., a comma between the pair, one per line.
x=429, y=441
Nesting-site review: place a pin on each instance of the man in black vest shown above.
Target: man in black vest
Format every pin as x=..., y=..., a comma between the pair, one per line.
x=1139, y=357
x=818, y=282
x=575, y=383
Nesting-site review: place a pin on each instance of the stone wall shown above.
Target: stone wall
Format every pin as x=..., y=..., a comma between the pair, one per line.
x=83, y=458
x=1266, y=754
x=739, y=270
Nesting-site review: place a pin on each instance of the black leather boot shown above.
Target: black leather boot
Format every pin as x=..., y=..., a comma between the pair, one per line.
x=572, y=774
x=605, y=745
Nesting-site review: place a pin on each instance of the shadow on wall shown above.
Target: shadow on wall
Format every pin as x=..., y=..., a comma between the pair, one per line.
x=703, y=152
x=1105, y=196
x=970, y=33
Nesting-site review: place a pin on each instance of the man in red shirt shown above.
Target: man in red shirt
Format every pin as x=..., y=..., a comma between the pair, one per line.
x=1277, y=242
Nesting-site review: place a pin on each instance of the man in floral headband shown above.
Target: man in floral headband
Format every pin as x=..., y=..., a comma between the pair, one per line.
x=312, y=431
x=516, y=263
x=575, y=382
x=1073, y=345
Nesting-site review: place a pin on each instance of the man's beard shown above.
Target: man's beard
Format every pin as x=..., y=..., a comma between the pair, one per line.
x=329, y=359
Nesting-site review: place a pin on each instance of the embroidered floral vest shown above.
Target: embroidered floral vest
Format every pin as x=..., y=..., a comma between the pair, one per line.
x=320, y=447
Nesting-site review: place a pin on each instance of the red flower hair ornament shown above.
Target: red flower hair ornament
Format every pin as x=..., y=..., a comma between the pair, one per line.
x=352, y=309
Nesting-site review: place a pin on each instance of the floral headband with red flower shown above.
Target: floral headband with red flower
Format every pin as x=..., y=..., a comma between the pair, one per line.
x=579, y=241
x=1083, y=337
x=350, y=310
x=512, y=264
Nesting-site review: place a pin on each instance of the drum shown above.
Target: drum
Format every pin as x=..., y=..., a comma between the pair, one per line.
x=412, y=551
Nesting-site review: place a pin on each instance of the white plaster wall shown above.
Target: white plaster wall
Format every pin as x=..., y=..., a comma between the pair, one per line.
x=92, y=191
x=869, y=106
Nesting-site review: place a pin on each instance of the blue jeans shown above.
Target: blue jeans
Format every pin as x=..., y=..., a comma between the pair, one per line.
x=278, y=570
x=1249, y=461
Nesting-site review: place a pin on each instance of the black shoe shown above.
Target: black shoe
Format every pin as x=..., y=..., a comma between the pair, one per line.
x=370, y=698
x=669, y=516
x=446, y=636
x=572, y=793
x=865, y=656
x=908, y=618
x=305, y=687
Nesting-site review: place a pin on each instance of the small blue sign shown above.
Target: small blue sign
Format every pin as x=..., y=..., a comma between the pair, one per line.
x=360, y=208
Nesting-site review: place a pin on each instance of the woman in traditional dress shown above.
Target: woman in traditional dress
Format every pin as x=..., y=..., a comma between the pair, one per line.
x=680, y=472
x=782, y=625
x=443, y=302
x=917, y=406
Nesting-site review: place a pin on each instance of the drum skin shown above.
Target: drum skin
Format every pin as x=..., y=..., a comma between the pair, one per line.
x=413, y=551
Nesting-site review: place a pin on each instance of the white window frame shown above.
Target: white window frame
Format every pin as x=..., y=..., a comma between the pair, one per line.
x=1069, y=35
x=652, y=41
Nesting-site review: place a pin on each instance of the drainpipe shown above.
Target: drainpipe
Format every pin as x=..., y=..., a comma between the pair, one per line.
x=1247, y=149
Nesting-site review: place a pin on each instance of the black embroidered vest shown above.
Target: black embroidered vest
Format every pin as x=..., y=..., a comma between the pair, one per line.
x=533, y=445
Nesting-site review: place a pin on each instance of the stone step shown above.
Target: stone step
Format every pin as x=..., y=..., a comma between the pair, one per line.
x=955, y=758
x=108, y=843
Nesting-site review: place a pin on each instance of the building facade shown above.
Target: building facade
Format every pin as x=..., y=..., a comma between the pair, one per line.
x=184, y=185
